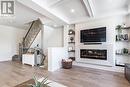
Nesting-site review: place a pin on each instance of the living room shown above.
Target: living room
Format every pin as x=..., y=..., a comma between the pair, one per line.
x=63, y=43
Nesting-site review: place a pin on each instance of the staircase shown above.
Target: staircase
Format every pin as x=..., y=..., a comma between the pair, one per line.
x=29, y=38
x=32, y=33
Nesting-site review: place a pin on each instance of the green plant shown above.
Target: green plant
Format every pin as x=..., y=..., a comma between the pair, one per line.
x=119, y=28
x=43, y=83
x=125, y=50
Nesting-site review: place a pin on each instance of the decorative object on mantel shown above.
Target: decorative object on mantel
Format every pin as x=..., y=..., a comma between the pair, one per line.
x=121, y=37
x=123, y=51
x=67, y=63
x=70, y=48
x=119, y=28
x=71, y=32
x=71, y=39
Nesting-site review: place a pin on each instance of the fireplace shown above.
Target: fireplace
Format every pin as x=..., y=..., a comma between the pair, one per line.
x=93, y=54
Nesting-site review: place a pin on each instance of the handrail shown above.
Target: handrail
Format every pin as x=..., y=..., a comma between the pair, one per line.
x=29, y=29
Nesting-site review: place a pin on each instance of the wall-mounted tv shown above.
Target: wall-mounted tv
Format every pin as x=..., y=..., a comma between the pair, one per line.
x=93, y=35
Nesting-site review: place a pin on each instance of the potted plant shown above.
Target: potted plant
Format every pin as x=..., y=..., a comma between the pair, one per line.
x=43, y=83
x=119, y=28
x=125, y=50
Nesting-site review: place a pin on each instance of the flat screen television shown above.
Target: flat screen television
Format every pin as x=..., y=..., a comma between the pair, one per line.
x=93, y=35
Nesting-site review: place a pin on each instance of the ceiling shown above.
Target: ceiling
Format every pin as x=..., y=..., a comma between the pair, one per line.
x=74, y=11
x=70, y=9
x=109, y=6
x=22, y=16
x=59, y=12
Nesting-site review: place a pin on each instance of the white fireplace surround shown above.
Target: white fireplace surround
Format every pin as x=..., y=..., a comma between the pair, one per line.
x=110, y=54
x=109, y=45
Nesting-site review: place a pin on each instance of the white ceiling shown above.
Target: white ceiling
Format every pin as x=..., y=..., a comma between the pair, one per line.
x=109, y=6
x=64, y=8
x=60, y=12
x=22, y=16
x=83, y=9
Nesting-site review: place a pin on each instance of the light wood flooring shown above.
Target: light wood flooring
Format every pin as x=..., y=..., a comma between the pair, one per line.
x=13, y=73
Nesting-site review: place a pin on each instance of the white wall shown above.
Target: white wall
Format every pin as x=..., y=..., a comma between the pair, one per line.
x=110, y=23
x=37, y=41
x=128, y=20
x=52, y=37
x=129, y=9
x=55, y=56
x=9, y=41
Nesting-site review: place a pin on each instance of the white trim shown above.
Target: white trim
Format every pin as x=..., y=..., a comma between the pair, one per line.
x=95, y=66
x=92, y=7
x=88, y=7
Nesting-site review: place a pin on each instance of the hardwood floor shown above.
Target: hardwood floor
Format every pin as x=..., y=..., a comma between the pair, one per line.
x=13, y=73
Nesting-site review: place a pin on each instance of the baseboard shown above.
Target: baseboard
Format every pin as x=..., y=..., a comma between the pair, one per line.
x=108, y=68
x=5, y=60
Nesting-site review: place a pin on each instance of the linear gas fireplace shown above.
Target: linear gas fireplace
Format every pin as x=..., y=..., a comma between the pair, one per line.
x=93, y=54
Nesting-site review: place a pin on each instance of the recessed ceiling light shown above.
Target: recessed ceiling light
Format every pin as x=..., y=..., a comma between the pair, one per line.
x=72, y=10
x=55, y=25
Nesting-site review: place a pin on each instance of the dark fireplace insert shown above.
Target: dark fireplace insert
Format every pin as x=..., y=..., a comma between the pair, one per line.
x=93, y=54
